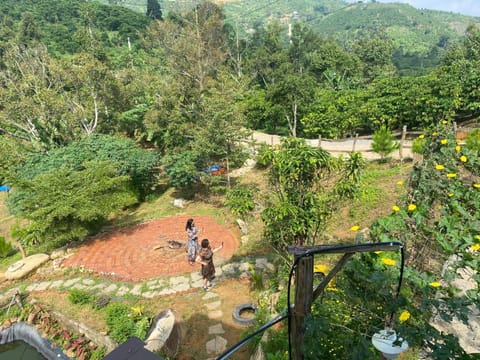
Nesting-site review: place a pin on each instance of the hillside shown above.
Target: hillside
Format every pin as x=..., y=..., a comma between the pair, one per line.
x=420, y=36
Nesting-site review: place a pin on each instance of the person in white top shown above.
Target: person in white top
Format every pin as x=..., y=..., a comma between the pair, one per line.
x=192, y=247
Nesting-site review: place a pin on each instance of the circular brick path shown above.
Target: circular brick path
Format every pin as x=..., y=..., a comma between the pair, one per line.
x=143, y=252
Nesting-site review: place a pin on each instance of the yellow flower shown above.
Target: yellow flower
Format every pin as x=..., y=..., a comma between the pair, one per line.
x=444, y=141
x=463, y=158
x=439, y=207
x=458, y=148
x=475, y=247
x=450, y=194
x=444, y=122
x=404, y=316
x=435, y=284
x=434, y=134
x=355, y=228
x=439, y=167
x=451, y=175
x=319, y=268
x=412, y=207
x=378, y=252
x=395, y=208
x=389, y=262
x=137, y=310
x=476, y=186
x=400, y=182
x=421, y=136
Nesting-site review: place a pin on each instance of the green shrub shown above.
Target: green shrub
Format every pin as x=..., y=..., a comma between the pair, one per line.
x=5, y=248
x=240, y=200
x=383, y=142
x=472, y=141
x=265, y=156
x=120, y=324
x=79, y=296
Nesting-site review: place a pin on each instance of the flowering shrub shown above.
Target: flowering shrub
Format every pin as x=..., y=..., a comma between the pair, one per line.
x=437, y=218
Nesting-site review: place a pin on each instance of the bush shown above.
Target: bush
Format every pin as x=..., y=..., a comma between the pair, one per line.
x=240, y=200
x=383, y=142
x=79, y=296
x=5, y=248
x=121, y=325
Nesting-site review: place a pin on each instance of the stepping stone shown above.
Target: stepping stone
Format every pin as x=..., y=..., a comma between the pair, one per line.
x=151, y=283
x=216, y=330
x=70, y=282
x=215, y=314
x=181, y=287
x=99, y=287
x=166, y=291
x=43, y=285
x=88, y=282
x=123, y=290
x=217, y=345
x=209, y=295
x=195, y=277
x=56, y=284
x=197, y=284
x=150, y=294
x=213, y=305
x=109, y=289
x=174, y=281
x=137, y=290
x=31, y=287
x=78, y=286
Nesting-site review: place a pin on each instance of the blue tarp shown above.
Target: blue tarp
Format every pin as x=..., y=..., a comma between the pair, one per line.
x=4, y=188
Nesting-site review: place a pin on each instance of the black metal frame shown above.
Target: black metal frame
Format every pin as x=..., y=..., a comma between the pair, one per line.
x=305, y=251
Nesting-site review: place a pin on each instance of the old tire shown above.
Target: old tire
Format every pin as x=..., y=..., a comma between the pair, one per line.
x=242, y=308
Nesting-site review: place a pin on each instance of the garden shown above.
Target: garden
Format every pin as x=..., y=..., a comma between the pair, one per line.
x=430, y=206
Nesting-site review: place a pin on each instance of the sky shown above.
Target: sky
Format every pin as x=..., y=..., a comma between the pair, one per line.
x=465, y=7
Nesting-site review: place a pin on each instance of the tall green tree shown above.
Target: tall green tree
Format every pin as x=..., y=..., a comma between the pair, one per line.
x=297, y=207
x=153, y=10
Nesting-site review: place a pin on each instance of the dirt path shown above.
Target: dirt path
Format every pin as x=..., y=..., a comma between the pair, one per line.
x=336, y=148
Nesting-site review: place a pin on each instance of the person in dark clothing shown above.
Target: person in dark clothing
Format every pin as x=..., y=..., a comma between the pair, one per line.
x=205, y=257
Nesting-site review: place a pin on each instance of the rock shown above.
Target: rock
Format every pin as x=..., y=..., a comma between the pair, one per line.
x=29, y=264
x=179, y=203
x=243, y=226
x=217, y=345
x=164, y=335
x=59, y=253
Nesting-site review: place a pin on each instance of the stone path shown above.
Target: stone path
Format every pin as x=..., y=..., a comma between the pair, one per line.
x=149, y=289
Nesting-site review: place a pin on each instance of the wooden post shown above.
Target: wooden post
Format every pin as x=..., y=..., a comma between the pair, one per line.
x=319, y=141
x=303, y=303
x=354, y=142
x=402, y=141
x=271, y=140
x=228, y=174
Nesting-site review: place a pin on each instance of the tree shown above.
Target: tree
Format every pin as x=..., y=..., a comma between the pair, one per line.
x=153, y=10
x=30, y=91
x=141, y=166
x=298, y=204
x=64, y=204
x=383, y=142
